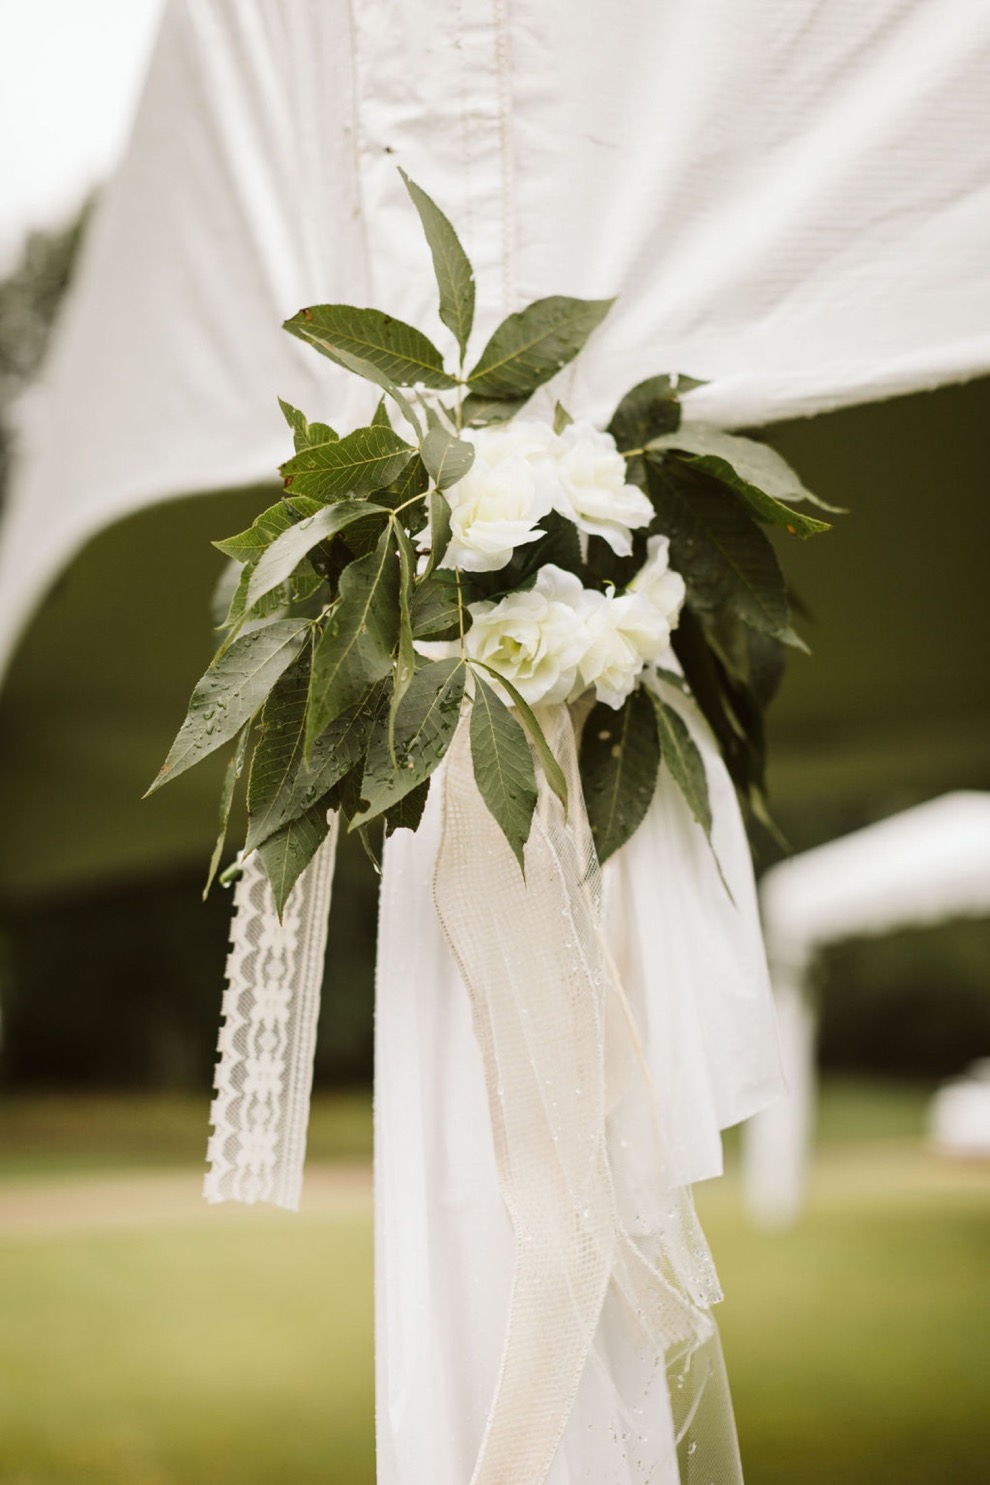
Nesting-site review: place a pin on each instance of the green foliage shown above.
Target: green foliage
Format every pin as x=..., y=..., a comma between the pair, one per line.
x=318, y=653
x=405, y=355
x=530, y=347
x=455, y=276
x=619, y=759
x=503, y=766
x=362, y=462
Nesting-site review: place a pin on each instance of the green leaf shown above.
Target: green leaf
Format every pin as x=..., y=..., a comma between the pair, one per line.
x=405, y=665
x=362, y=462
x=361, y=366
x=767, y=506
x=650, y=408
x=288, y=550
x=274, y=793
x=503, y=767
x=530, y=347
x=435, y=612
x=680, y=755
x=439, y=530
x=619, y=760
x=447, y=458
x=455, y=276
x=304, y=433
x=552, y=769
x=405, y=355
x=412, y=481
x=425, y=723
x=286, y=854
x=716, y=546
x=355, y=649
x=755, y=464
x=477, y=412
x=249, y=545
x=561, y=418
x=231, y=691
x=407, y=814
x=234, y=770
x=381, y=417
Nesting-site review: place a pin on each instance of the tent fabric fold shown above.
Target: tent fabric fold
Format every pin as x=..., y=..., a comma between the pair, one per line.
x=792, y=203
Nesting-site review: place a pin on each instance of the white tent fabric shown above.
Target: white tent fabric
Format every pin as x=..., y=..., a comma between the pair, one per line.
x=923, y=866
x=790, y=201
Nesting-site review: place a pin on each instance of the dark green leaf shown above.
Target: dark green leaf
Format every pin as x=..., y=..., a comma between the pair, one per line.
x=447, y=458
x=405, y=664
x=530, y=347
x=405, y=355
x=425, y=723
x=362, y=462
x=234, y=770
x=412, y=481
x=288, y=550
x=355, y=649
x=503, y=767
x=304, y=433
x=552, y=769
x=716, y=546
x=381, y=417
x=435, y=610
x=286, y=854
x=249, y=545
x=231, y=691
x=680, y=755
x=560, y=545
x=439, y=530
x=477, y=411
x=619, y=759
x=407, y=814
x=649, y=409
x=455, y=276
x=753, y=463
x=766, y=506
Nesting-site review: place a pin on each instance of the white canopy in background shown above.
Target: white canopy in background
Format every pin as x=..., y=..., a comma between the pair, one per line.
x=791, y=201
x=923, y=866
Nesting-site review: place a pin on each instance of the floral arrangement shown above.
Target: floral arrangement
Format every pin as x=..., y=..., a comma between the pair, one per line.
x=491, y=563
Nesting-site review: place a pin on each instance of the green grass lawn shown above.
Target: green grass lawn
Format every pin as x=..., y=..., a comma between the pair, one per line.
x=857, y=1344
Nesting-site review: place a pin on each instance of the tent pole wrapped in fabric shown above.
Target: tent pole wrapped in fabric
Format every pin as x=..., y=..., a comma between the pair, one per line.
x=789, y=205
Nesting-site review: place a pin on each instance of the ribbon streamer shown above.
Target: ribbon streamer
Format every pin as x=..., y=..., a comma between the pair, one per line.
x=607, y=1255
x=264, y=1076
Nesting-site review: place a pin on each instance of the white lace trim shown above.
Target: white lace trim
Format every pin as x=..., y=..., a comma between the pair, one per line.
x=264, y=1074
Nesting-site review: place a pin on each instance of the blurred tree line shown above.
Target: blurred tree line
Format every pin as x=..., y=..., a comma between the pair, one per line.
x=119, y=986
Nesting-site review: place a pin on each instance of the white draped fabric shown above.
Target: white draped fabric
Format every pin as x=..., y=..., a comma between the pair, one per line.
x=789, y=201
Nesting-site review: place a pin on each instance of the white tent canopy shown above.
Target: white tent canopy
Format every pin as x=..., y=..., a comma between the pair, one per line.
x=791, y=202
x=923, y=866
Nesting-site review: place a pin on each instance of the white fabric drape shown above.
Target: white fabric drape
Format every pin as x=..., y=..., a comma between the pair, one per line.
x=791, y=201
x=445, y=1255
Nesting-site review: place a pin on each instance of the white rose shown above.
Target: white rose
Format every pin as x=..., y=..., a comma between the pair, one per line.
x=624, y=634
x=496, y=506
x=592, y=490
x=535, y=639
x=657, y=583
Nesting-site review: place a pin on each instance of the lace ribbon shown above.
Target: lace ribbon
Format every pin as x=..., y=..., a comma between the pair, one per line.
x=604, y=1248
x=264, y=1075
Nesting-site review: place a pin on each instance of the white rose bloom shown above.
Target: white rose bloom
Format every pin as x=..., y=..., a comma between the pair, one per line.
x=592, y=490
x=496, y=506
x=658, y=583
x=625, y=633
x=535, y=639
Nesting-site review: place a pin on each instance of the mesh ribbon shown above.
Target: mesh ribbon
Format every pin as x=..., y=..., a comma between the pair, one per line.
x=608, y=1258
x=264, y=1075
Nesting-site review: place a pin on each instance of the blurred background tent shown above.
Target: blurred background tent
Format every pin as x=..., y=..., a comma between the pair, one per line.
x=797, y=209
